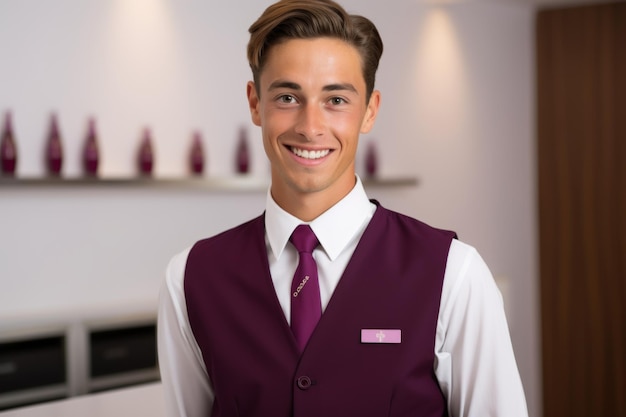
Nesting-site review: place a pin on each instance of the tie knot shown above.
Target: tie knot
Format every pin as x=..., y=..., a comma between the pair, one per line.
x=304, y=239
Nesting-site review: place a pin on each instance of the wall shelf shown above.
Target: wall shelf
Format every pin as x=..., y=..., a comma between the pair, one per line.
x=234, y=183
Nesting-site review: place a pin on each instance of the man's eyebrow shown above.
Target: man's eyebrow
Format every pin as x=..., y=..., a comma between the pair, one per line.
x=284, y=84
x=330, y=87
x=341, y=87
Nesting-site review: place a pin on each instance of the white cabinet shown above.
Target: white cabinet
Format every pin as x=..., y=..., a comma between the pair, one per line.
x=70, y=354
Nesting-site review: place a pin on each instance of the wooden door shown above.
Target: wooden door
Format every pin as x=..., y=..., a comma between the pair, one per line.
x=581, y=122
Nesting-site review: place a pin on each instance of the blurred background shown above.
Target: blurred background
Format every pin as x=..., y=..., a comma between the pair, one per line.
x=464, y=139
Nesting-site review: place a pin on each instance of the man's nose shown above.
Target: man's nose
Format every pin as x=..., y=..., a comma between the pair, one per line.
x=311, y=121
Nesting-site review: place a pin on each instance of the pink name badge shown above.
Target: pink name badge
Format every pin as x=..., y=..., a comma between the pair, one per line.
x=381, y=336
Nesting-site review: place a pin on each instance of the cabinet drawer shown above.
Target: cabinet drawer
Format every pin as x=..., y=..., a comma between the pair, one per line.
x=33, y=363
x=122, y=350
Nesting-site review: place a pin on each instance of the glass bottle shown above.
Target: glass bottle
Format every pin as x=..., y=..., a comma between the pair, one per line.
x=196, y=155
x=54, y=148
x=243, y=153
x=91, y=154
x=8, y=150
x=145, y=157
x=371, y=160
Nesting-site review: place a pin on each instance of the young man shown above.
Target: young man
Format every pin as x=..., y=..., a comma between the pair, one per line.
x=381, y=316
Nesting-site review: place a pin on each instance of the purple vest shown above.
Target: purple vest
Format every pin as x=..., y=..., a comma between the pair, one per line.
x=393, y=281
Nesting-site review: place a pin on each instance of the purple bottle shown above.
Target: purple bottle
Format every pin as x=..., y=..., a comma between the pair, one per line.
x=243, y=154
x=371, y=160
x=91, y=155
x=54, y=148
x=196, y=155
x=8, y=150
x=145, y=157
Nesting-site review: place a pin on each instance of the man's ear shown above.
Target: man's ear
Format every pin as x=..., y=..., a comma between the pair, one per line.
x=371, y=112
x=253, y=103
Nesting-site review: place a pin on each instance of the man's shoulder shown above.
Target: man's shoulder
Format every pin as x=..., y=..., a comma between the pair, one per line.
x=235, y=235
x=409, y=223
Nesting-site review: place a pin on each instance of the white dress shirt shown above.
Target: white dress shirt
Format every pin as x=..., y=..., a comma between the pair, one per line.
x=474, y=360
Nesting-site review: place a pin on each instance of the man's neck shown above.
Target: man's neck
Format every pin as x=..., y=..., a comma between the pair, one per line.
x=307, y=206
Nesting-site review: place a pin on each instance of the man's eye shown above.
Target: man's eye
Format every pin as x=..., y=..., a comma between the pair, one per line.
x=287, y=99
x=337, y=100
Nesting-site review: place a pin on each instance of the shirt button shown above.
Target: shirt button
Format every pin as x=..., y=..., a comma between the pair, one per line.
x=304, y=383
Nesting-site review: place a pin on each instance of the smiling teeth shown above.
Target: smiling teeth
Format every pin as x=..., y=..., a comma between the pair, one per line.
x=303, y=153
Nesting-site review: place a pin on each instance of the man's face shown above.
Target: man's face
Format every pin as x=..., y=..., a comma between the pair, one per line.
x=312, y=107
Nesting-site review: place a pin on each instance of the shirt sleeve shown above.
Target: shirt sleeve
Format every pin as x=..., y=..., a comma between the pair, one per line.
x=186, y=385
x=474, y=360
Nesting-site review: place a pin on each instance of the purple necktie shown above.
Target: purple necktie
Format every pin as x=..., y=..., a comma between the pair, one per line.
x=306, y=307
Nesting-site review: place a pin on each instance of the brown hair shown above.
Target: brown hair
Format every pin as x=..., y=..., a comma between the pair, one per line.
x=306, y=19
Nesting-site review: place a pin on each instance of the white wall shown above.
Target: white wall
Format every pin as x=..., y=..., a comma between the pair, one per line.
x=457, y=112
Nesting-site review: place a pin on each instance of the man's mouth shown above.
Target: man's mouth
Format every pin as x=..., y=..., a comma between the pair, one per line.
x=306, y=154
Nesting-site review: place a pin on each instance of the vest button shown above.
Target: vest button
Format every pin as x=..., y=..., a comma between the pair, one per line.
x=304, y=383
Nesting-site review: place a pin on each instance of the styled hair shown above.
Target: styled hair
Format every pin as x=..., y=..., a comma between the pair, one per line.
x=309, y=19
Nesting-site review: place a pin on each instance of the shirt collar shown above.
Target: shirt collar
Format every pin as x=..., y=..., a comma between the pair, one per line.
x=334, y=228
